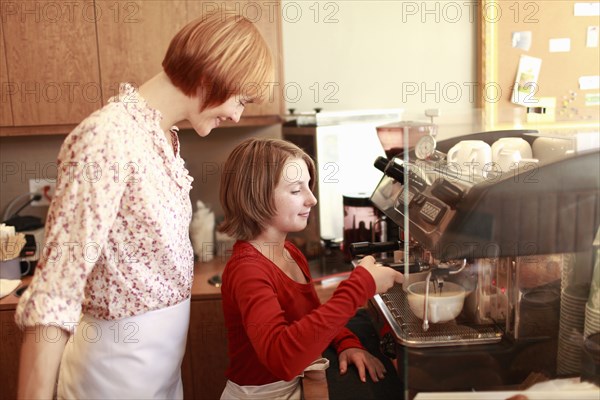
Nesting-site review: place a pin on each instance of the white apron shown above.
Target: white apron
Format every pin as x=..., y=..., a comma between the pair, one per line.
x=132, y=358
x=280, y=390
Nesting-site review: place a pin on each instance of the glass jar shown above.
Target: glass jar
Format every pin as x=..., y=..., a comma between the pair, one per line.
x=393, y=139
x=360, y=218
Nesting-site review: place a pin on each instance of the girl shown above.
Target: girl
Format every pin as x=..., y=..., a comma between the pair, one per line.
x=276, y=325
x=118, y=249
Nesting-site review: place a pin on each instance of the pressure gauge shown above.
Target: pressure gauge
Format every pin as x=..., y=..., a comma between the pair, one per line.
x=425, y=147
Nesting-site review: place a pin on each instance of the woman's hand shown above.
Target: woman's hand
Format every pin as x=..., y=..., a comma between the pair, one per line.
x=364, y=361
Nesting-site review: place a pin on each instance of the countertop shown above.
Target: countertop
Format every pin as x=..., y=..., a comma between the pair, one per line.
x=201, y=289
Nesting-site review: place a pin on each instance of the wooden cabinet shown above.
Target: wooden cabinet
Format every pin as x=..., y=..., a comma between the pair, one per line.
x=133, y=39
x=268, y=22
x=267, y=18
x=5, y=106
x=205, y=360
x=64, y=59
x=52, y=62
x=10, y=346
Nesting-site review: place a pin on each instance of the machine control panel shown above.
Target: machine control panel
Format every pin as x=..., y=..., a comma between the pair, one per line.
x=423, y=192
x=421, y=207
x=446, y=192
x=432, y=211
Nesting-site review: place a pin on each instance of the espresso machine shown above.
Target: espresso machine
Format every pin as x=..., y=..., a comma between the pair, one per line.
x=503, y=247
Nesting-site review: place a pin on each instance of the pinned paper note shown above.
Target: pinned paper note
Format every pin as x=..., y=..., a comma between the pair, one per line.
x=592, y=99
x=589, y=9
x=589, y=82
x=561, y=45
x=592, y=36
x=526, y=86
x=521, y=40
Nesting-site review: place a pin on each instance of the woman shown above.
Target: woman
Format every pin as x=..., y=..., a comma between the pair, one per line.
x=118, y=250
x=276, y=325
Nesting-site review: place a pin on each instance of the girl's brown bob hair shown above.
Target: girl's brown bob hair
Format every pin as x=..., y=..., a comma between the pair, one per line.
x=219, y=56
x=250, y=175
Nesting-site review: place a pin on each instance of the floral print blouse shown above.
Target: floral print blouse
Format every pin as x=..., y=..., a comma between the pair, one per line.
x=117, y=241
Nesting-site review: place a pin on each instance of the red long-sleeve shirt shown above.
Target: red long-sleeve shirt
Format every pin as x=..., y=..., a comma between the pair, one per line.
x=276, y=326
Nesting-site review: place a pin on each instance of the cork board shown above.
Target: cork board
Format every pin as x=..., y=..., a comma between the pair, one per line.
x=515, y=34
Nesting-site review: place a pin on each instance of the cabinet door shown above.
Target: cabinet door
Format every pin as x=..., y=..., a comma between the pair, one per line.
x=268, y=21
x=205, y=361
x=5, y=106
x=51, y=61
x=10, y=347
x=133, y=38
x=266, y=15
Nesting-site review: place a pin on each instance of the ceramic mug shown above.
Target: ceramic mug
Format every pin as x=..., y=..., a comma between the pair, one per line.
x=11, y=269
x=548, y=149
x=507, y=159
x=470, y=155
x=510, y=144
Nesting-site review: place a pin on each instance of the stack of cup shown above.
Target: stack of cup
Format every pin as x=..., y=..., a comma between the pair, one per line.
x=571, y=325
x=590, y=357
x=548, y=149
x=592, y=307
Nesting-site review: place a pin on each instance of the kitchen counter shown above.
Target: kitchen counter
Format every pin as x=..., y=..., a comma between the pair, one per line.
x=201, y=289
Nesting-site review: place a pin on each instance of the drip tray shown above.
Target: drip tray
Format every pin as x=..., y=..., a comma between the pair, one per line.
x=409, y=332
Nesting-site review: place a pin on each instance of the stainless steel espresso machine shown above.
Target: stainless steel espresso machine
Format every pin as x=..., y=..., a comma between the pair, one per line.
x=488, y=255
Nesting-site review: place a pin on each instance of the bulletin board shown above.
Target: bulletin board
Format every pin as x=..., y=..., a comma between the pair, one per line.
x=516, y=38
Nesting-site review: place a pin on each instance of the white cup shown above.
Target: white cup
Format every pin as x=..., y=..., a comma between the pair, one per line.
x=549, y=148
x=470, y=155
x=511, y=144
x=11, y=269
x=507, y=159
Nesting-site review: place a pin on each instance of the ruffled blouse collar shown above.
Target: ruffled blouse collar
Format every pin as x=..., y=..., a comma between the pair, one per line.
x=135, y=104
x=149, y=117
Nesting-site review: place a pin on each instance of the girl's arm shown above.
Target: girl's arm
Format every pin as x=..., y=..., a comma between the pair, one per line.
x=287, y=348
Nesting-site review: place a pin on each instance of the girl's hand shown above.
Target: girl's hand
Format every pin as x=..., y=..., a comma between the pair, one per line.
x=384, y=277
x=362, y=359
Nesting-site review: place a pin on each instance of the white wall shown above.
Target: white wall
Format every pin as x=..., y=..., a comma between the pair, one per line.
x=379, y=54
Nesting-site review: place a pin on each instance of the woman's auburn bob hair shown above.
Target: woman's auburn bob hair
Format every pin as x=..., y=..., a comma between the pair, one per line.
x=250, y=175
x=218, y=56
